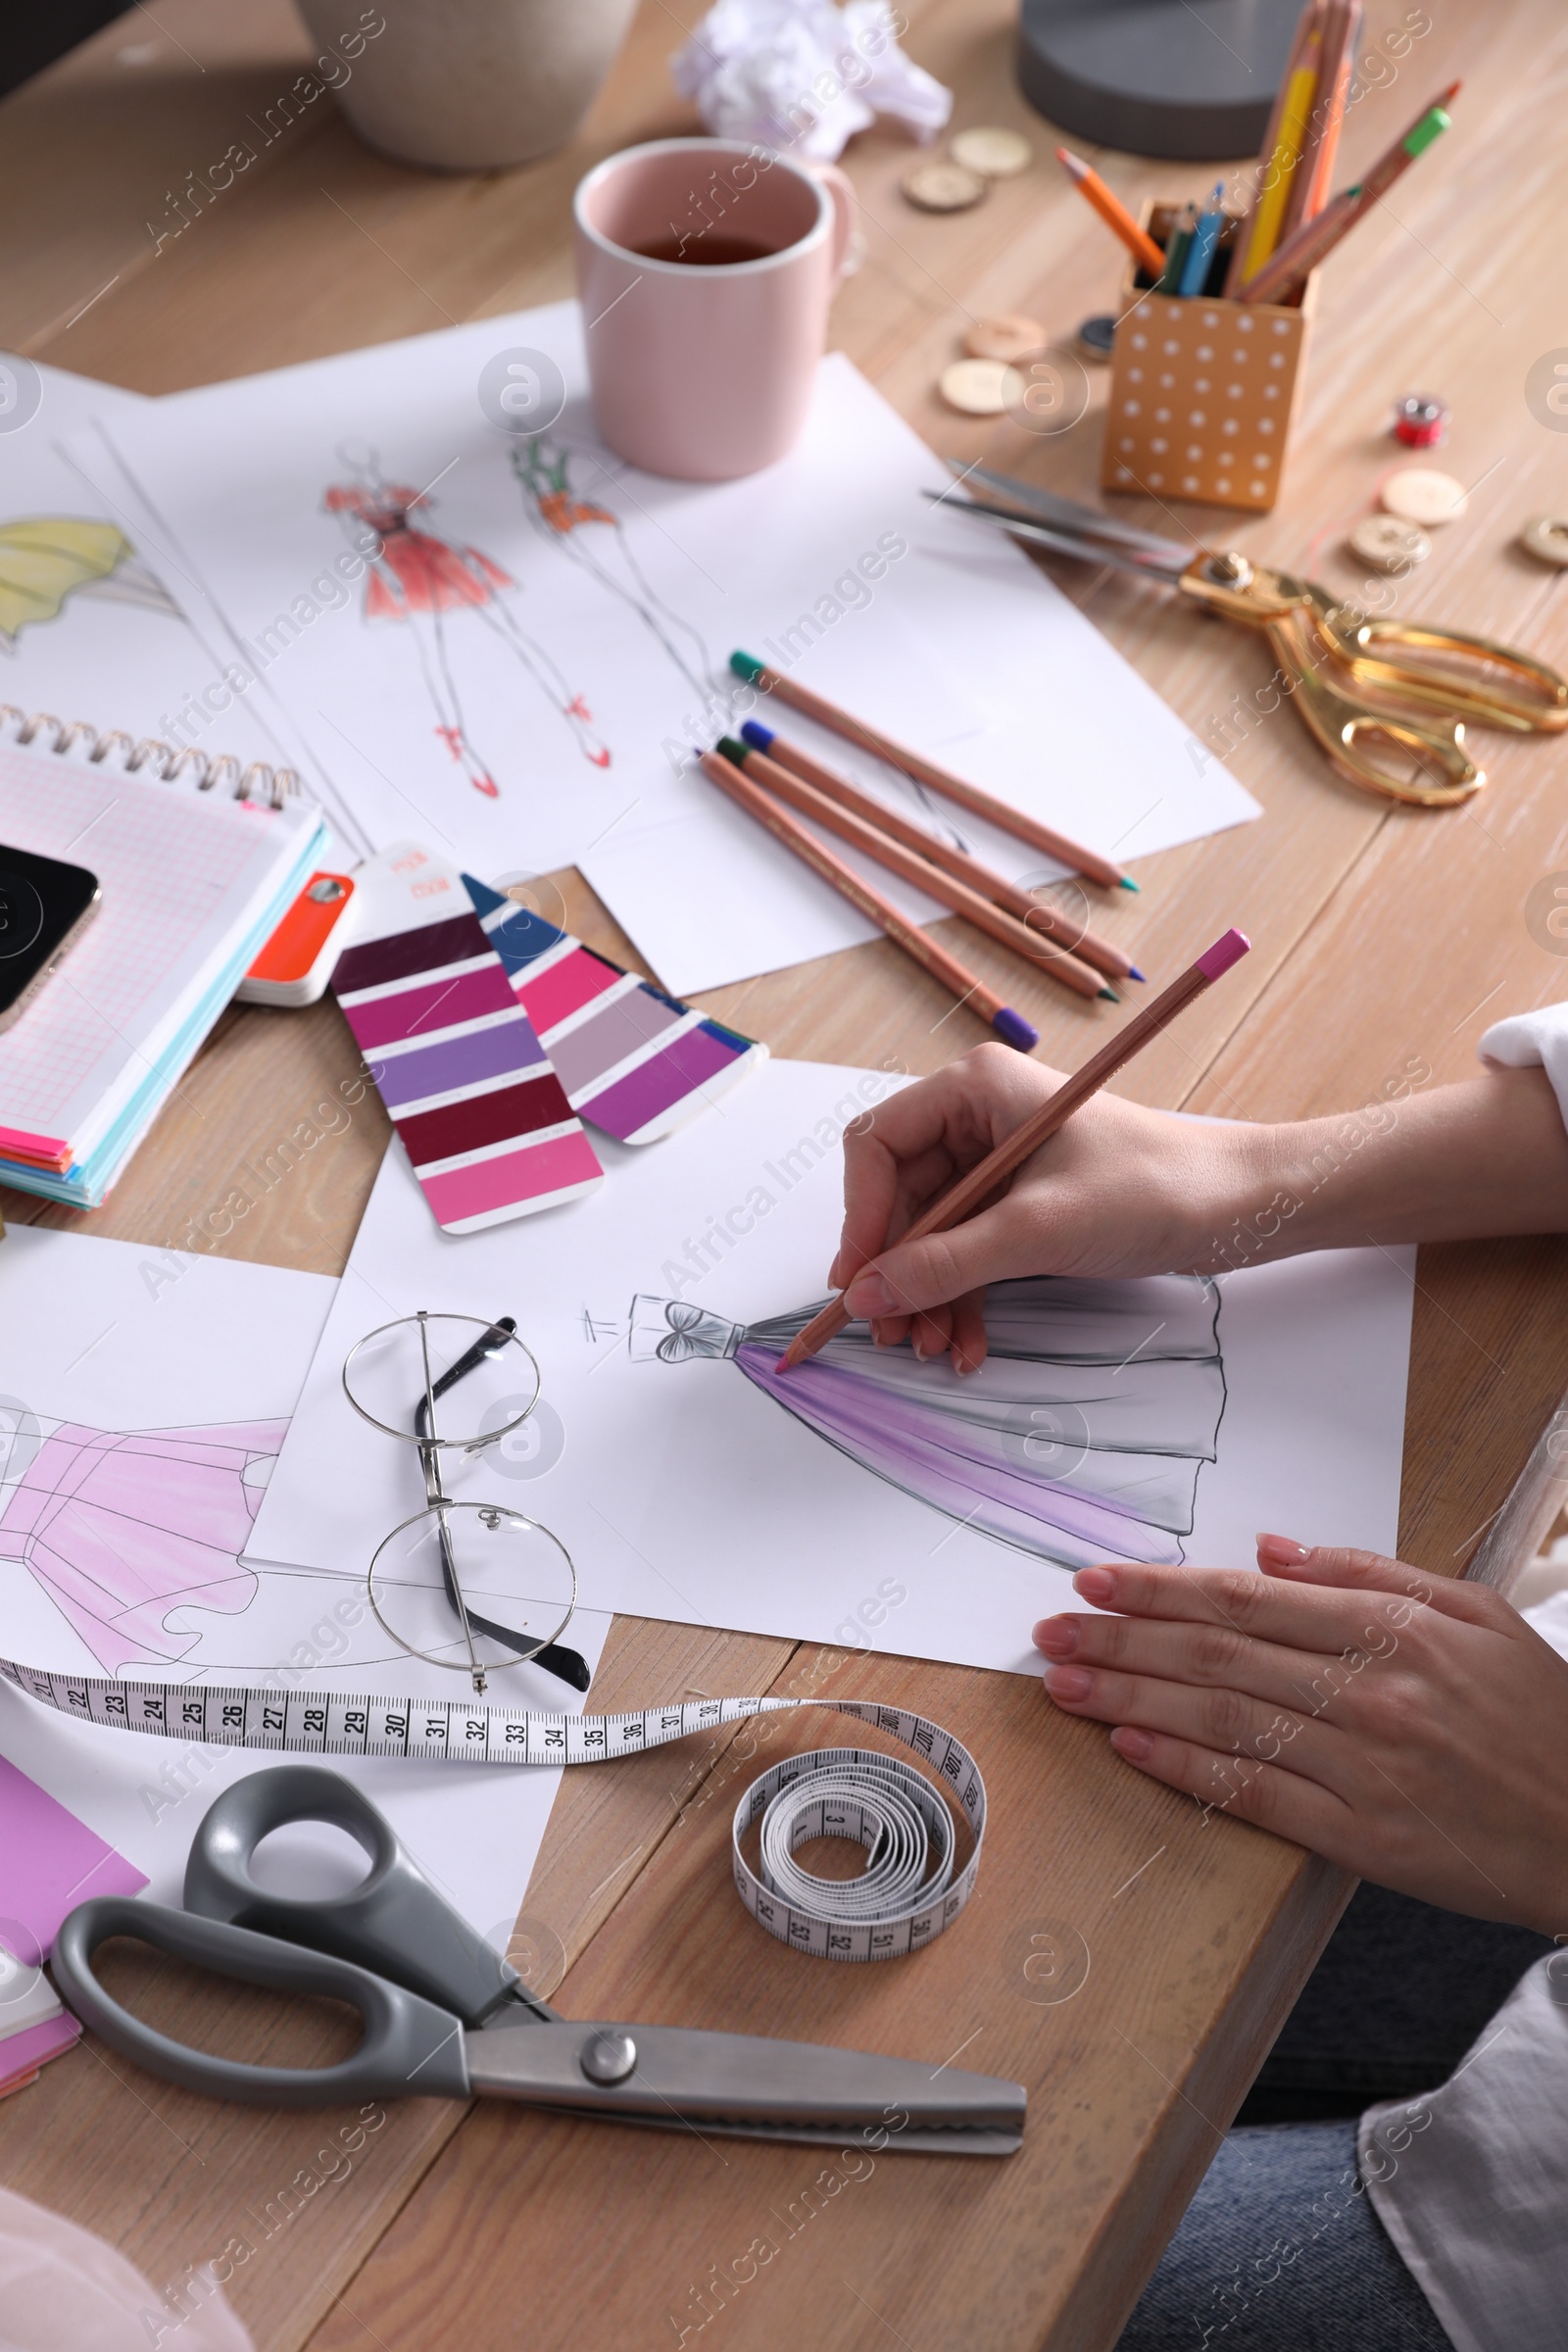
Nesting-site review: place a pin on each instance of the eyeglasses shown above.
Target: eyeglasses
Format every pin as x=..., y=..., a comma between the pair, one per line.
x=510, y=1585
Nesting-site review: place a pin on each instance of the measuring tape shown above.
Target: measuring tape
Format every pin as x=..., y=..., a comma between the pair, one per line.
x=904, y=1900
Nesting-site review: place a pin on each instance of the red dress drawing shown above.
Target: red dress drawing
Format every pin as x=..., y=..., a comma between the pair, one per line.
x=419, y=578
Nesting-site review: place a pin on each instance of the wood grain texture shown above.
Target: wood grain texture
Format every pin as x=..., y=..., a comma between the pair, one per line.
x=1382, y=941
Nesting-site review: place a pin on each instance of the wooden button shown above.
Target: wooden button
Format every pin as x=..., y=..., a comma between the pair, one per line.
x=1008, y=337
x=1547, y=539
x=1388, y=544
x=979, y=387
x=943, y=187
x=1417, y=495
x=993, y=154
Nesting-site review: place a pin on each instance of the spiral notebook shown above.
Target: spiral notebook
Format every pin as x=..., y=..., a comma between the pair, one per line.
x=197, y=861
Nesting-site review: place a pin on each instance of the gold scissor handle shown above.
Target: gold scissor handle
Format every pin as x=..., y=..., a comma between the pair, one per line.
x=1443, y=669
x=1428, y=767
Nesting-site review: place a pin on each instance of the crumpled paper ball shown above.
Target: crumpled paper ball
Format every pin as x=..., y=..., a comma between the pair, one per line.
x=802, y=76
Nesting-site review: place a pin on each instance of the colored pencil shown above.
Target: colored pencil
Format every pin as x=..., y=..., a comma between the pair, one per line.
x=1308, y=23
x=1010, y=1026
x=962, y=1198
x=1205, y=243
x=868, y=837
x=1314, y=179
x=1114, y=213
x=1071, y=853
x=1280, y=173
x=1183, y=231
x=1318, y=237
x=1044, y=920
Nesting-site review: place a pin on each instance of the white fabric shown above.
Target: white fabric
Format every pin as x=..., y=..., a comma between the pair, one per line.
x=1532, y=1041
x=64, y=2291
x=802, y=76
x=1471, y=2180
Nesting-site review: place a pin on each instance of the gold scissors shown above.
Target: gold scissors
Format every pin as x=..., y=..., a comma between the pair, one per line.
x=1364, y=687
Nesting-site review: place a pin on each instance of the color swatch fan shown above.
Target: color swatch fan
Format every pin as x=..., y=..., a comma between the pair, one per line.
x=635, y=1063
x=476, y=1105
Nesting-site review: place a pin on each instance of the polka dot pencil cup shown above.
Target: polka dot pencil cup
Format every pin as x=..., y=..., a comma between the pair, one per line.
x=1203, y=393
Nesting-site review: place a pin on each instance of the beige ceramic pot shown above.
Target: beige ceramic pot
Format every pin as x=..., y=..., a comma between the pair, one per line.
x=468, y=85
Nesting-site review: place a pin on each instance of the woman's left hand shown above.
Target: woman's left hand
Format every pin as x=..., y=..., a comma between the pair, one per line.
x=1411, y=1729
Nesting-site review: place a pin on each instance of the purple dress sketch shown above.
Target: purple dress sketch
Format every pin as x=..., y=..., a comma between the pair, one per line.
x=1082, y=1436
x=122, y=1527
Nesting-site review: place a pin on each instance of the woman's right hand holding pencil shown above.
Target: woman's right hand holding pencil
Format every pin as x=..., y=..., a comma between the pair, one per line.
x=1121, y=1190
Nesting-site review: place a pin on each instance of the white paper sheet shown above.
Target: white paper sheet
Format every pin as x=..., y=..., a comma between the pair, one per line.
x=124, y=649
x=687, y=1492
x=539, y=717
x=114, y=1336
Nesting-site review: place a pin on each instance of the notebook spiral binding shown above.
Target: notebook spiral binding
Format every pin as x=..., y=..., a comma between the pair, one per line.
x=211, y=773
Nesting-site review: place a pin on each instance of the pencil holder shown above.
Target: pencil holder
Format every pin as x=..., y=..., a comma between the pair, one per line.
x=1202, y=391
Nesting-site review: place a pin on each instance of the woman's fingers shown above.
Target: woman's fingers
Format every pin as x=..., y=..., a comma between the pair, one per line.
x=901, y=1155
x=1228, y=1722
x=1268, y=1608
x=969, y=1341
x=1258, y=1792
x=1209, y=1657
x=1372, y=1571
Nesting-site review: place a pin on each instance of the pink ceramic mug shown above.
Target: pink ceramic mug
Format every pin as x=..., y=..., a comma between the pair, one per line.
x=706, y=269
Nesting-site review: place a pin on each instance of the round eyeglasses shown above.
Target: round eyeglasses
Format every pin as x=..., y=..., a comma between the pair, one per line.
x=507, y=1583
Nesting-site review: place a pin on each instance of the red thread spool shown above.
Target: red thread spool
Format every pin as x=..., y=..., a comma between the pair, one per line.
x=1420, y=419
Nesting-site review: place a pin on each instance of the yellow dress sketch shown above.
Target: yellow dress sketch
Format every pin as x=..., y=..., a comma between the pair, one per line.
x=45, y=559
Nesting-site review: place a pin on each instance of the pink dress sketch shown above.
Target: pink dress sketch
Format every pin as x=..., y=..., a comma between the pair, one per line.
x=123, y=1528
x=1081, y=1440
x=420, y=580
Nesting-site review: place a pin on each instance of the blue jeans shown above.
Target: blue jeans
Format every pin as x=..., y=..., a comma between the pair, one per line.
x=1280, y=2251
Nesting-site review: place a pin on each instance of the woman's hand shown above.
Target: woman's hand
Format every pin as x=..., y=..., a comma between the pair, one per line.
x=1410, y=1729
x=1120, y=1190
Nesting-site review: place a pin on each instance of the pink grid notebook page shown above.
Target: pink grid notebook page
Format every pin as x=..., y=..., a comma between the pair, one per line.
x=178, y=872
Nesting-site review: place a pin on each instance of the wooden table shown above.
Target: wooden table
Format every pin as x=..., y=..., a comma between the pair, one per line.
x=1381, y=938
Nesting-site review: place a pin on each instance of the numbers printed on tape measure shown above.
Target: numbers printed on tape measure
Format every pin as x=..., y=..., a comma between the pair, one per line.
x=909, y=1892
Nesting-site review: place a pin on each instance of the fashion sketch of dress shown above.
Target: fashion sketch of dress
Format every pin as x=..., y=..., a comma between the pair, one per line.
x=1084, y=1434
x=590, y=535
x=123, y=1528
x=416, y=577
x=47, y=558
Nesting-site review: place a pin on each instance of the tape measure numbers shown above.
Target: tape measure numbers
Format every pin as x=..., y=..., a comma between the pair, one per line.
x=909, y=1892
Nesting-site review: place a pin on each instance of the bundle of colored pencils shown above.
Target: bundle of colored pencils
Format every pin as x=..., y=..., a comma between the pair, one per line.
x=769, y=777
x=1291, y=224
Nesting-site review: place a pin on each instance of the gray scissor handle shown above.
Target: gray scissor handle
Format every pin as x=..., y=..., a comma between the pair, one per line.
x=394, y=1922
x=411, y=2050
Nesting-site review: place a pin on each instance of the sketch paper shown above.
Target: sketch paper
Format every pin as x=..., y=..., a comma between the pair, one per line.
x=875, y=1500
x=96, y=622
x=509, y=645
x=144, y=1395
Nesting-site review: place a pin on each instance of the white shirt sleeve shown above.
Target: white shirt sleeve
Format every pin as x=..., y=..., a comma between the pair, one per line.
x=1532, y=1041
x=1471, y=2180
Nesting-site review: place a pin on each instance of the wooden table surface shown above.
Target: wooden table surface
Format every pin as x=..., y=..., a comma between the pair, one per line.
x=1383, y=939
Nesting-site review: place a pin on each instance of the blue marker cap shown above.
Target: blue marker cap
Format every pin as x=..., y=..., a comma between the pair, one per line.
x=1015, y=1030
x=756, y=735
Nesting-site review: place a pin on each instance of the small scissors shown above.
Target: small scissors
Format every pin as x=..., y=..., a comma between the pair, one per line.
x=1361, y=685
x=445, y=2017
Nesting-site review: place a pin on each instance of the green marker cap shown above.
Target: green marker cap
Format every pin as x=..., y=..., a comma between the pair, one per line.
x=730, y=750
x=747, y=667
x=1431, y=126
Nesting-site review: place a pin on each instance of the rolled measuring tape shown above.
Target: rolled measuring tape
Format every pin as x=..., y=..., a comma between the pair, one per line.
x=909, y=1892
